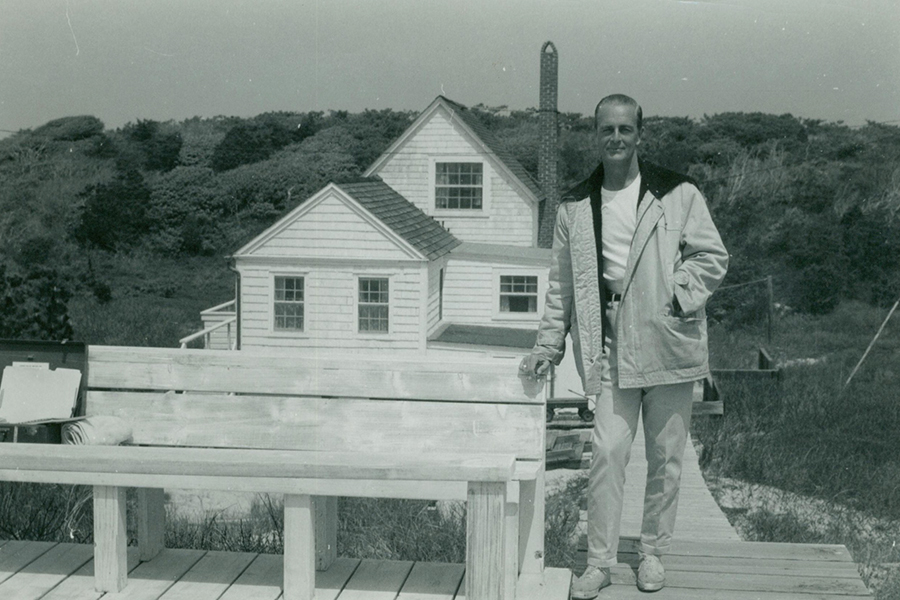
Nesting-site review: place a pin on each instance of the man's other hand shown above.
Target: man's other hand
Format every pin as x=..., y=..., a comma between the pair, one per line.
x=534, y=365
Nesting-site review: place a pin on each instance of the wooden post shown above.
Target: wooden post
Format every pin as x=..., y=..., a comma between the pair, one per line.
x=110, y=539
x=299, y=547
x=511, y=545
x=531, y=524
x=326, y=531
x=484, y=541
x=151, y=521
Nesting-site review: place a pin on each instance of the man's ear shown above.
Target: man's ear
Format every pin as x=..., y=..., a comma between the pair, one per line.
x=640, y=137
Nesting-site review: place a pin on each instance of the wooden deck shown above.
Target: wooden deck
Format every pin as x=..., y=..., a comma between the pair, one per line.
x=49, y=571
x=708, y=559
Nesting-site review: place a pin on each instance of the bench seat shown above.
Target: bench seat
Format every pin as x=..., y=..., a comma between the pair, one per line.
x=312, y=428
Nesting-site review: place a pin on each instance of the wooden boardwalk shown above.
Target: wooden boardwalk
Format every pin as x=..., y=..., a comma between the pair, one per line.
x=50, y=571
x=708, y=559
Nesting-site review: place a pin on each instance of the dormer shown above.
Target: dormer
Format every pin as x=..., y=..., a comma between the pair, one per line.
x=454, y=169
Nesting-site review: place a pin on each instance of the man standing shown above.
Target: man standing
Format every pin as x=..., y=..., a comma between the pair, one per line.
x=635, y=258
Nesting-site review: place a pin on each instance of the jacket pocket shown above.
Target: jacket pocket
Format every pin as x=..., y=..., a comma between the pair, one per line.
x=680, y=342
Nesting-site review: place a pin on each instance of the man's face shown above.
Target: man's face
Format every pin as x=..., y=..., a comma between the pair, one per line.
x=617, y=133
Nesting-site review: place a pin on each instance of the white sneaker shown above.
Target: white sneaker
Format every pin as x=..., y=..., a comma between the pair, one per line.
x=651, y=574
x=590, y=583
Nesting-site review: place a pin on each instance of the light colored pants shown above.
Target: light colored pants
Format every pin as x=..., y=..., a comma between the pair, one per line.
x=666, y=415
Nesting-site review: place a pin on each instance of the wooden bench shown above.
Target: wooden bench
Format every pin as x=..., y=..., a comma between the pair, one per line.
x=311, y=428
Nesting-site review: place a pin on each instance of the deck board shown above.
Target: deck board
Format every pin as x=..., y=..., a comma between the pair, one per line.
x=46, y=572
x=432, y=581
x=702, y=570
x=210, y=577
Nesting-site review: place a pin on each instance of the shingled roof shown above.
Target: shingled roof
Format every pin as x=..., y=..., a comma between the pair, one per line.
x=482, y=335
x=424, y=233
x=493, y=144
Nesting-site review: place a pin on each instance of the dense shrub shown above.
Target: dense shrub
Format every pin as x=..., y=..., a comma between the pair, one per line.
x=70, y=128
x=114, y=213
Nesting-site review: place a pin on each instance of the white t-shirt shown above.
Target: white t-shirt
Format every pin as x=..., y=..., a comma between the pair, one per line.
x=619, y=209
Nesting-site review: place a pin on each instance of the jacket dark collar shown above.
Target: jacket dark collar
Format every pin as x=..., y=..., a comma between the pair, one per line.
x=655, y=179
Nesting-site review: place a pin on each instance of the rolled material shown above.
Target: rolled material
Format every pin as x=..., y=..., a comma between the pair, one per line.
x=97, y=431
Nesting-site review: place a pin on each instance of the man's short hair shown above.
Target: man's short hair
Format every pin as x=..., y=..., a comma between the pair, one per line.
x=623, y=100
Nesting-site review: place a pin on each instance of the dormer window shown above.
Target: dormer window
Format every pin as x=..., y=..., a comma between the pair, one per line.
x=458, y=185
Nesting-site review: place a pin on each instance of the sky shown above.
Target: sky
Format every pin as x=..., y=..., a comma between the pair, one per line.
x=124, y=60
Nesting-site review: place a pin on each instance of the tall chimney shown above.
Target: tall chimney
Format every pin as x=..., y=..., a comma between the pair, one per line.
x=548, y=150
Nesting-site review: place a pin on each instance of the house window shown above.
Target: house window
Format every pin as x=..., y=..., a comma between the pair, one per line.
x=289, y=303
x=518, y=293
x=373, y=304
x=458, y=185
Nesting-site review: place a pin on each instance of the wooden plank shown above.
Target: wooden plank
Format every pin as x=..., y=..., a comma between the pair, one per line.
x=630, y=592
x=531, y=523
x=151, y=518
x=244, y=463
x=485, y=540
x=511, y=541
x=262, y=580
x=326, y=531
x=150, y=580
x=763, y=566
x=110, y=539
x=326, y=424
x=424, y=490
x=210, y=577
x=330, y=583
x=16, y=554
x=432, y=581
x=45, y=573
x=750, y=550
x=791, y=583
x=80, y=585
x=281, y=373
x=746, y=374
x=376, y=580
x=299, y=548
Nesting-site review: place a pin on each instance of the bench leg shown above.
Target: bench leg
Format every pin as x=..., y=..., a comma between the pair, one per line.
x=486, y=507
x=151, y=520
x=326, y=531
x=531, y=525
x=110, y=539
x=511, y=543
x=299, y=547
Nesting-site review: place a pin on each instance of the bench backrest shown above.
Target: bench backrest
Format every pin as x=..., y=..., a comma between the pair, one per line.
x=289, y=401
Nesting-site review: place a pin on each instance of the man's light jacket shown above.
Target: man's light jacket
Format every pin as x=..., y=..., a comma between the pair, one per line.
x=676, y=253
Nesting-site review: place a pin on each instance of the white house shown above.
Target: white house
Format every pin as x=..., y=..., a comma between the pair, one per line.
x=435, y=250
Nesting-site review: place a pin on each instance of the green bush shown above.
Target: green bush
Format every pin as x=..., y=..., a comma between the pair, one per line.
x=70, y=129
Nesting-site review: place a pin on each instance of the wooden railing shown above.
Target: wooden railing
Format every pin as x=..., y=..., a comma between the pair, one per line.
x=205, y=334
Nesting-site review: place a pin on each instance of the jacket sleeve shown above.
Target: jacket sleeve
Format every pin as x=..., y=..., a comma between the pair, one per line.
x=557, y=318
x=704, y=260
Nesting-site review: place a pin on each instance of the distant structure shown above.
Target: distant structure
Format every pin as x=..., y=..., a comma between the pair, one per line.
x=440, y=249
x=549, y=143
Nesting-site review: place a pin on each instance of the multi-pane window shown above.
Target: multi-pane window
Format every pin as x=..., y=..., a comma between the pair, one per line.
x=518, y=293
x=458, y=185
x=289, y=304
x=373, y=304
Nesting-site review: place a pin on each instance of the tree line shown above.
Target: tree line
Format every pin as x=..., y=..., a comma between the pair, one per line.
x=813, y=203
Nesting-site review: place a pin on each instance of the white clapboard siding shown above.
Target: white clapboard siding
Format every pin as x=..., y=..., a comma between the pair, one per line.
x=330, y=310
x=511, y=218
x=471, y=293
x=331, y=229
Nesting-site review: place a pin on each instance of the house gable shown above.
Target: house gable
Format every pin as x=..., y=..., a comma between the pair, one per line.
x=331, y=225
x=445, y=135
